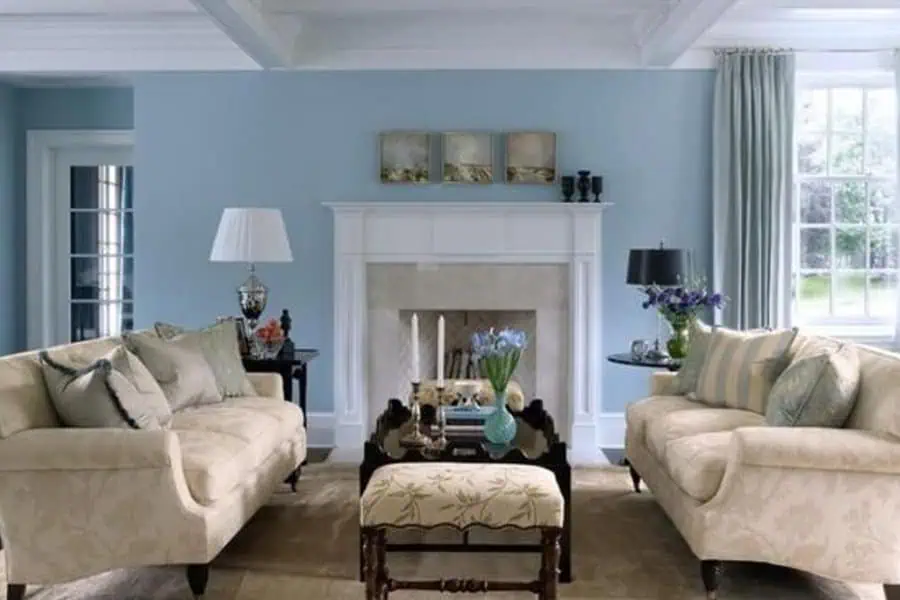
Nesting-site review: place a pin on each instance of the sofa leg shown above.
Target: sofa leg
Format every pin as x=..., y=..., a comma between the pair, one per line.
x=15, y=591
x=635, y=478
x=891, y=591
x=711, y=571
x=292, y=479
x=198, y=576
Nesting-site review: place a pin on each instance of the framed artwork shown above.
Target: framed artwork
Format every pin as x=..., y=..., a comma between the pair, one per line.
x=468, y=157
x=531, y=157
x=405, y=157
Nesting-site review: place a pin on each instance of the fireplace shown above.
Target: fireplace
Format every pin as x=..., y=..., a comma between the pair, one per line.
x=531, y=266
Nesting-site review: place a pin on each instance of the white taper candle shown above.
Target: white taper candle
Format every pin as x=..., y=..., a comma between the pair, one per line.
x=440, y=352
x=415, y=348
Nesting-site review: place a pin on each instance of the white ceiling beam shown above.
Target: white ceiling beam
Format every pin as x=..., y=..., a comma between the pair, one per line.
x=679, y=29
x=249, y=28
x=382, y=6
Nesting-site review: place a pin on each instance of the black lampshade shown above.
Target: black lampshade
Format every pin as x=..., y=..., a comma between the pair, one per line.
x=657, y=266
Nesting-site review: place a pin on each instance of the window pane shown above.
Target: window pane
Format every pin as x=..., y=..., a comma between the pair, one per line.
x=815, y=202
x=812, y=112
x=846, y=154
x=883, y=295
x=882, y=200
x=811, y=154
x=882, y=109
x=93, y=320
x=850, y=250
x=102, y=233
x=850, y=295
x=813, y=295
x=847, y=109
x=815, y=248
x=850, y=202
x=101, y=186
x=102, y=278
x=883, y=245
x=881, y=153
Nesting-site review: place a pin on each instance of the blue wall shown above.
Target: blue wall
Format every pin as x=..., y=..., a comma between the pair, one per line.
x=46, y=108
x=296, y=140
x=9, y=251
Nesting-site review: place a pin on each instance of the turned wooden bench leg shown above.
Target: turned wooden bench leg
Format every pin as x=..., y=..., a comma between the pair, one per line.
x=711, y=572
x=891, y=591
x=370, y=562
x=550, y=551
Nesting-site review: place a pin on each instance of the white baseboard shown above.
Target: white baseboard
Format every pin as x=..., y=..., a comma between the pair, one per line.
x=320, y=430
x=612, y=430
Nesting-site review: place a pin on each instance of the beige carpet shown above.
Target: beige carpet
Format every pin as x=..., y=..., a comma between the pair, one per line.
x=303, y=546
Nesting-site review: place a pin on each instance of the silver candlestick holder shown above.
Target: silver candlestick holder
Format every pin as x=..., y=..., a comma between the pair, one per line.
x=416, y=437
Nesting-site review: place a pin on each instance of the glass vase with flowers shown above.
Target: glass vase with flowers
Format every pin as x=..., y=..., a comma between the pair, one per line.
x=498, y=354
x=680, y=306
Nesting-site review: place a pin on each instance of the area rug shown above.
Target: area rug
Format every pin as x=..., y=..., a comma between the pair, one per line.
x=304, y=545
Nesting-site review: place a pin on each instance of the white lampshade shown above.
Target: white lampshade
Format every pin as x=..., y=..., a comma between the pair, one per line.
x=251, y=235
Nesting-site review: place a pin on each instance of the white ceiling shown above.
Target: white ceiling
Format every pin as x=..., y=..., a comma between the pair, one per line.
x=57, y=37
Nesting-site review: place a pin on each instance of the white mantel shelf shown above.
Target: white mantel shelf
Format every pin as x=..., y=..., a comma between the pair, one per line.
x=469, y=233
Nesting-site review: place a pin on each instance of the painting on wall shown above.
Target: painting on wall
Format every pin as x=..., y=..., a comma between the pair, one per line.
x=405, y=157
x=531, y=157
x=468, y=157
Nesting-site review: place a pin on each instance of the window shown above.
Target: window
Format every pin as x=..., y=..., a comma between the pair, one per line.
x=846, y=235
x=101, y=255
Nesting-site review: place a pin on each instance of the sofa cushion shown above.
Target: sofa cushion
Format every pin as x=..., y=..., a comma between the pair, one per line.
x=741, y=367
x=639, y=414
x=696, y=463
x=219, y=345
x=222, y=444
x=115, y=390
x=179, y=366
x=684, y=423
x=816, y=391
x=689, y=373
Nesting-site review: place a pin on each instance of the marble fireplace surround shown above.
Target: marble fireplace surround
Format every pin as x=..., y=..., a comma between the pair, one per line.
x=442, y=234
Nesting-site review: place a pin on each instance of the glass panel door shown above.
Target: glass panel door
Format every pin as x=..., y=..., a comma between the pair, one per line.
x=97, y=269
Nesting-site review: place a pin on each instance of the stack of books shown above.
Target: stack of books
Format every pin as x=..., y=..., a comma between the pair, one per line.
x=464, y=421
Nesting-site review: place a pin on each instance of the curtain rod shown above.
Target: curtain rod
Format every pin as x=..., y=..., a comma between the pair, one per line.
x=781, y=50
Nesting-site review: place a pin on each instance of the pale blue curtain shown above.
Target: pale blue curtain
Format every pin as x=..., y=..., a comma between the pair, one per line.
x=753, y=129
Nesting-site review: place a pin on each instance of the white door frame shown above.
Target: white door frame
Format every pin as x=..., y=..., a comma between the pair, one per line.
x=42, y=285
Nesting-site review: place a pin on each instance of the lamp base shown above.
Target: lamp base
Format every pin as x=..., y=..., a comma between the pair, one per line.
x=252, y=297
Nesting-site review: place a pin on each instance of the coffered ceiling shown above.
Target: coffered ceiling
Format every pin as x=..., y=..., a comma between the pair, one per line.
x=115, y=36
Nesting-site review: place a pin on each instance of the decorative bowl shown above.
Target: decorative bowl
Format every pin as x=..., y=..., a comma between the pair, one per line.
x=267, y=348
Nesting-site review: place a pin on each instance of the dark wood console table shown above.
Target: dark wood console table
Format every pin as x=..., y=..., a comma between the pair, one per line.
x=290, y=365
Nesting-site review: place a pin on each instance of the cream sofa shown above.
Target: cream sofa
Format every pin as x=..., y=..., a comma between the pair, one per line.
x=826, y=501
x=75, y=502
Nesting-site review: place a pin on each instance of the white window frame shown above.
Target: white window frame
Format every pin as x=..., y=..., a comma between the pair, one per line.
x=44, y=218
x=862, y=329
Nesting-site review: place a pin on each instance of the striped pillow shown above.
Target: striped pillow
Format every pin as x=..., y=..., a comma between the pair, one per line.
x=741, y=367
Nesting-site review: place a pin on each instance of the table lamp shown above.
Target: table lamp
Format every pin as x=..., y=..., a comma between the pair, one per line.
x=661, y=266
x=251, y=235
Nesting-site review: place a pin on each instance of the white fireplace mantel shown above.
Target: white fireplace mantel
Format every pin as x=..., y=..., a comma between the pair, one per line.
x=468, y=232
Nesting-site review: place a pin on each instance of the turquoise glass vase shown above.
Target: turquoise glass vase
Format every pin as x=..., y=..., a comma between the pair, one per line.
x=500, y=426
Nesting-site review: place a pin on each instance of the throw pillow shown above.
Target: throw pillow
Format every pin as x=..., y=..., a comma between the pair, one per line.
x=741, y=366
x=816, y=391
x=114, y=391
x=689, y=372
x=179, y=367
x=219, y=345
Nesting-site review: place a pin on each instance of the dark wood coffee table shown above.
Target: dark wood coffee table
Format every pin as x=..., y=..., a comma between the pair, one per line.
x=536, y=443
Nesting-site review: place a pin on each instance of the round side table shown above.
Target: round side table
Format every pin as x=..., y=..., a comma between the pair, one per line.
x=626, y=358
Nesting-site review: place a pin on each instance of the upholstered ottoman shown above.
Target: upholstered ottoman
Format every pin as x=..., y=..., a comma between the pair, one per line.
x=460, y=496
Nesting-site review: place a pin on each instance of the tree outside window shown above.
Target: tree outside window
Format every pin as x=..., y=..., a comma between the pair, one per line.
x=846, y=237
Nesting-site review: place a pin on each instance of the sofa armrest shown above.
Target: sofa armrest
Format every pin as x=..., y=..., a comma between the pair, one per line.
x=108, y=498
x=87, y=449
x=662, y=383
x=267, y=385
x=818, y=449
